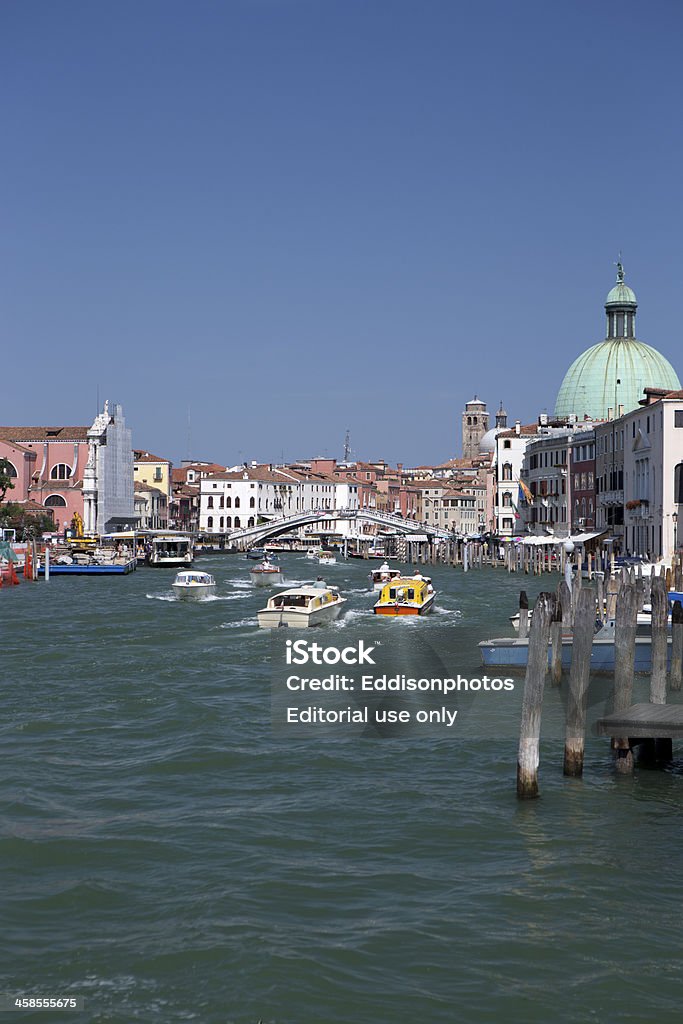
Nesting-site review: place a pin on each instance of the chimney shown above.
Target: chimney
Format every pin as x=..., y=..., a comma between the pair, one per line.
x=518, y=427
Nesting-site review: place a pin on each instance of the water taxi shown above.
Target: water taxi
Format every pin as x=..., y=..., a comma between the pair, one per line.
x=265, y=573
x=385, y=574
x=169, y=551
x=326, y=558
x=256, y=553
x=311, y=605
x=193, y=586
x=406, y=595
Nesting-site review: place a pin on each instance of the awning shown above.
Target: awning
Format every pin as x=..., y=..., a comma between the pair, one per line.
x=418, y=538
x=576, y=538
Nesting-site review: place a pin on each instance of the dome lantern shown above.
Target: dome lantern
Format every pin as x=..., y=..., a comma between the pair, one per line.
x=620, y=307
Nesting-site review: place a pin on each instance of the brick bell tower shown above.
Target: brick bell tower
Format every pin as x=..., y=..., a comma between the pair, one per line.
x=475, y=423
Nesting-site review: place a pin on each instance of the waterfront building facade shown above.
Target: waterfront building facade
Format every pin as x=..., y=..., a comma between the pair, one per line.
x=47, y=465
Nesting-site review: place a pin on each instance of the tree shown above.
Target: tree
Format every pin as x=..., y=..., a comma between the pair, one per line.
x=6, y=476
x=26, y=524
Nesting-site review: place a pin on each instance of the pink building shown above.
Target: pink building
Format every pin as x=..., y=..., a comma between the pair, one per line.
x=47, y=464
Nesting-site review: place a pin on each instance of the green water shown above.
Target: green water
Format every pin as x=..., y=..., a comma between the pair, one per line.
x=168, y=856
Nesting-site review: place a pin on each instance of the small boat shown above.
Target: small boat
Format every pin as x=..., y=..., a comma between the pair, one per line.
x=311, y=605
x=170, y=551
x=193, y=586
x=406, y=595
x=256, y=553
x=265, y=573
x=314, y=553
x=513, y=652
x=327, y=558
x=385, y=574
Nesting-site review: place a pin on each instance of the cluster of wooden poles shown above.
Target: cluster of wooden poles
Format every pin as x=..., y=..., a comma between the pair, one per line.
x=576, y=611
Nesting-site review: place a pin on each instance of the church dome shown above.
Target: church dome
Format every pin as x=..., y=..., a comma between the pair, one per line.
x=487, y=445
x=613, y=373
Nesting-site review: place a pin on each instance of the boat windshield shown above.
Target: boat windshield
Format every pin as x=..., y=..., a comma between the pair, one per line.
x=291, y=601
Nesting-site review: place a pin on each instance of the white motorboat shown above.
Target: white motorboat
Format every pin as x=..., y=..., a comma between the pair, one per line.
x=265, y=573
x=193, y=586
x=326, y=558
x=170, y=551
x=385, y=574
x=311, y=605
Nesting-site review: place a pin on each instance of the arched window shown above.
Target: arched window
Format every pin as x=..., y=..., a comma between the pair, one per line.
x=507, y=500
x=237, y=521
x=60, y=472
x=678, y=484
x=222, y=522
x=209, y=523
x=237, y=502
x=469, y=421
x=251, y=521
x=209, y=503
x=9, y=468
x=55, y=501
x=228, y=521
x=228, y=502
x=221, y=501
x=252, y=503
x=507, y=471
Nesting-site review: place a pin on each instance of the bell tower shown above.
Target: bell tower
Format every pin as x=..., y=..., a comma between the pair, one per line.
x=475, y=423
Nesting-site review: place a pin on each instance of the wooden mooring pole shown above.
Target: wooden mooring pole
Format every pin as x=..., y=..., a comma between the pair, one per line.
x=523, y=615
x=624, y=664
x=556, y=636
x=534, y=684
x=660, y=613
x=676, y=645
x=579, y=675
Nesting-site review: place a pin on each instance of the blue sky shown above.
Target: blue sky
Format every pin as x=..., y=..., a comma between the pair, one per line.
x=294, y=217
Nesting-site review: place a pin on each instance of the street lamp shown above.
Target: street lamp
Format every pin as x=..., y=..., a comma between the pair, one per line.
x=568, y=550
x=675, y=522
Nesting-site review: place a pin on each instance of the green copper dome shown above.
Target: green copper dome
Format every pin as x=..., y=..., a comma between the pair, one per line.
x=614, y=372
x=590, y=385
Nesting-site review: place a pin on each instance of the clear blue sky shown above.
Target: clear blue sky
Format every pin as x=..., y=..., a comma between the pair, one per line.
x=296, y=217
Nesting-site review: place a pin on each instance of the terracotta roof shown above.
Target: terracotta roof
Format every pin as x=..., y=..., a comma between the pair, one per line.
x=147, y=488
x=44, y=433
x=431, y=482
x=142, y=456
x=179, y=473
x=526, y=428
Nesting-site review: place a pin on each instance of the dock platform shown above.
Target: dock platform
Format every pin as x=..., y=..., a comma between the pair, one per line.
x=644, y=721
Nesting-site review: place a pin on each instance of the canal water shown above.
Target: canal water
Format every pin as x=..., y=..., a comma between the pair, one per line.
x=169, y=852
